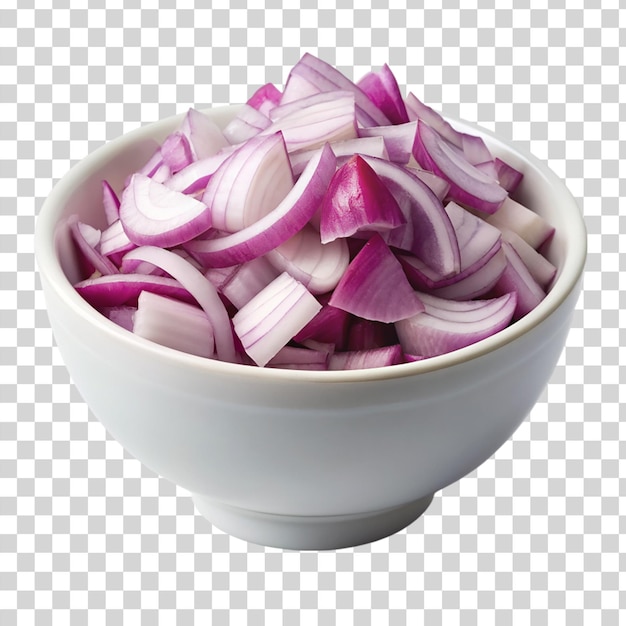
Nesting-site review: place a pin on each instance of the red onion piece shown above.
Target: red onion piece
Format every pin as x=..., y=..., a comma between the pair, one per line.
x=311, y=122
x=110, y=203
x=329, y=326
x=217, y=275
x=318, y=266
x=529, y=225
x=356, y=200
x=87, y=240
x=318, y=104
x=508, y=176
x=246, y=280
x=478, y=242
x=417, y=110
x=291, y=357
x=475, y=149
x=468, y=185
x=176, y=152
x=248, y=123
x=114, y=240
x=429, y=233
x=151, y=213
x=489, y=168
x=540, y=268
x=325, y=77
x=344, y=150
x=399, y=139
x=123, y=316
x=382, y=89
x=442, y=328
x=477, y=239
x=204, y=135
x=477, y=283
x=250, y=184
x=124, y=289
x=439, y=186
x=366, y=359
x=267, y=322
x=517, y=278
x=196, y=175
x=152, y=164
x=199, y=287
x=277, y=226
x=297, y=87
x=174, y=324
x=265, y=98
x=375, y=287
x=367, y=334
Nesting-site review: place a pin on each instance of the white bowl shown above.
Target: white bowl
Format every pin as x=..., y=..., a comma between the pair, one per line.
x=297, y=459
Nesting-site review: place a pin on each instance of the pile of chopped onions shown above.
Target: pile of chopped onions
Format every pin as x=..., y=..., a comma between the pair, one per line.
x=331, y=225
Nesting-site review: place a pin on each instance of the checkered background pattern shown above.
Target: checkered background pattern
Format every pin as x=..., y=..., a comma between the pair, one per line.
x=536, y=535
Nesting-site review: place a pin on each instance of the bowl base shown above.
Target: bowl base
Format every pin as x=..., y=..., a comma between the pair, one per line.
x=301, y=532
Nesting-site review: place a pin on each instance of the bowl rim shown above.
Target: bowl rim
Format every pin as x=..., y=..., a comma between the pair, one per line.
x=49, y=266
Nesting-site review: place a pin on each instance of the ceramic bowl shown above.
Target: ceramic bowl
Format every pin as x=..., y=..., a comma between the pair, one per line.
x=297, y=459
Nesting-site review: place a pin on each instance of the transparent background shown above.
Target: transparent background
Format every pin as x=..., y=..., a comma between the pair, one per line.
x=535, y=535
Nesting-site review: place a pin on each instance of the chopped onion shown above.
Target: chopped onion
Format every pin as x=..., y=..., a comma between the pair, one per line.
x=87, y=240
x=478, y=243
x=417, y=110
x=442, y=328
x=517, y=278
x=248, y=123
x=176, y=152
x=114, y=240
x=540, y=268
x=316, y=264
x=311, y=122
x=249, y=184
x=278, y=225
x=119, y=289
x=265, y=98
x=399, y=139
x=199, y=287
x=267, y=322
x=343, y=150
x=428, y=233
x=382, y=89
x=329, y=326
x=475, y=149
x=529, y=225
x=333, y=225
x=122, y=315
x=110, y=203
x=367, y=334
x=356, y=200
x=174, y=324
x=321, y=77
x=366, y=359
x=375, y=287
x=291, y=357
x=508, y=176
x=439, y=186
x=153, y=214
x=478, y=282
x=204, y=135
x=468, y=184
x=196, y=175
x=244, y=281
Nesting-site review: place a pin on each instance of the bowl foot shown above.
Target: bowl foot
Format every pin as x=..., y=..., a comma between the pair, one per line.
x=296, y=532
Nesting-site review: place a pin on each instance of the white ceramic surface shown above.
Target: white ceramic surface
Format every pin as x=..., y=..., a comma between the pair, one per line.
x=296, y=459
